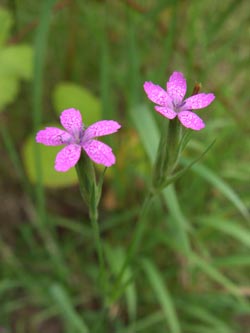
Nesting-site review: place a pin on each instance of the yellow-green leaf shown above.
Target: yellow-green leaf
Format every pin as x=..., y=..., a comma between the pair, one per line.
x=5, y=25
x=70, y=95
x=51, y=178
x=16, y=61
x=8, y=90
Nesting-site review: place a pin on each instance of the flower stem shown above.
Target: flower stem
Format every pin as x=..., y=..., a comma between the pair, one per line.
x=167, y=153
x=166, y=159
x=86, y=176
x=99, y=248
x=91, y=194
x=136, y=241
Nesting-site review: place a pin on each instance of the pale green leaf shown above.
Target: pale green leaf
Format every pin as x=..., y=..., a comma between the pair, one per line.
x=70, y=95
x=50, y=177
x=147, y=129
x=8, y=91
x=5, y=25
x=16, y=61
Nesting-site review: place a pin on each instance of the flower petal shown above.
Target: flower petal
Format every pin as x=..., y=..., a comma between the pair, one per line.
x=67, y=157
x=198, y=101
x=71, y=120
x=52, y=136
x=191, y=120
x=101, y=128
x=99, y=152
x=157, y=94
x=177, y=86
x=166, y=112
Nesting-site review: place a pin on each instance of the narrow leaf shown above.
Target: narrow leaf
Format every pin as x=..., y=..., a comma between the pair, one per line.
x=232, y=228
x=66, y=308
x=180, y=173
x=214, y=274
x=163, y=296
x=221, y=185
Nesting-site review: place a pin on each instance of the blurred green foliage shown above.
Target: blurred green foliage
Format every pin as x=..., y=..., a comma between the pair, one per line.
x=67, y=94
x=15, y=62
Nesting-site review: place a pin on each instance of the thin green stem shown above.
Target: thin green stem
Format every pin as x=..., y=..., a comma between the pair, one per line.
x=91, y=193
x=167, y=154
x=87, y=180
x=141, y=226
x=99, y=248
x=136, y=241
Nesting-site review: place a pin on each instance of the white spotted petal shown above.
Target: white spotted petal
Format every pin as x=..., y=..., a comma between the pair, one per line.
x=166, y=112
x=157, y=94
x=100, y=128
x=177, y=87
x=52, y=136
x=71, y=120
x=67, y=157
x=198, y=101
x=99, y=152
x=191, y=120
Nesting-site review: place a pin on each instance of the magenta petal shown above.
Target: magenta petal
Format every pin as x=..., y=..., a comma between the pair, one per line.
x=198, y=101
x=52, y=136
x=166, y=112
x=101, y=128
x=71, y=120
x=99, y=152
x=177, y=86
x=191, y=120
x=67, y=157
x=157, y=94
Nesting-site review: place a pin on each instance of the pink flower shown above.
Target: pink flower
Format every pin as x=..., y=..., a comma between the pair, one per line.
x=77, y=137
x=171, y=102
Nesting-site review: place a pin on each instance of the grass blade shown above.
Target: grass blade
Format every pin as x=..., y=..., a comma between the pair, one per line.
x=41, y=40
x=145, y=124
x=163, y=296
x=67, y=310
x=215, y=275
x=222, y=186
x=231, y=228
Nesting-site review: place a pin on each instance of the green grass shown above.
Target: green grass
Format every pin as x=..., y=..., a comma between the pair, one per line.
x=190, y=271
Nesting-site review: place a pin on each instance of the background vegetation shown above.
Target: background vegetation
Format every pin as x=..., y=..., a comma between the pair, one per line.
x=192, y=272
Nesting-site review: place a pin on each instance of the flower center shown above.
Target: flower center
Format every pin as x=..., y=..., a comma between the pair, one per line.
x=178, y=106
x=78, y=136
